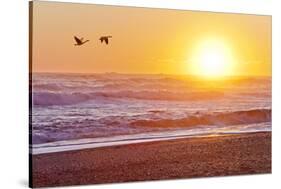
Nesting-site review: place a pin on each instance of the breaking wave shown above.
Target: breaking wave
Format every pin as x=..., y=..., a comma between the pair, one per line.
x=51, y=98
x=219, y=119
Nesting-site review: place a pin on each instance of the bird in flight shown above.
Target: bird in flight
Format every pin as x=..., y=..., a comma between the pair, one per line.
x=105, y=38
x=79, y=41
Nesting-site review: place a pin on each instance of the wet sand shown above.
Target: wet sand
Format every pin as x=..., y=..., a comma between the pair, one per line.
x=180, y=158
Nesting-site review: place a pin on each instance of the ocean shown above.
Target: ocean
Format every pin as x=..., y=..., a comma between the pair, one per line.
x=76, y=111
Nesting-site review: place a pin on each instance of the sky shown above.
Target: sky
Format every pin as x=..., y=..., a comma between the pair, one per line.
x=146, y=40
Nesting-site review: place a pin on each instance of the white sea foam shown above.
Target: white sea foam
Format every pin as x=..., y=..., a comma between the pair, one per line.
x=202, y=131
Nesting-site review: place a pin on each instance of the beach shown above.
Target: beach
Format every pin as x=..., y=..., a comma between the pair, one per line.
x=230, y=154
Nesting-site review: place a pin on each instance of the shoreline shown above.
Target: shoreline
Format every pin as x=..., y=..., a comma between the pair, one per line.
x=232, y=154
x=89, y=143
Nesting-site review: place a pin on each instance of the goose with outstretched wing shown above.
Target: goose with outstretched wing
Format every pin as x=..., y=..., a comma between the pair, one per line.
x=79, y=41
x=105, y=39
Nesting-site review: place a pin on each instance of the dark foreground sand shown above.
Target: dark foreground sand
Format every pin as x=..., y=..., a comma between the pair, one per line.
x=181, y=158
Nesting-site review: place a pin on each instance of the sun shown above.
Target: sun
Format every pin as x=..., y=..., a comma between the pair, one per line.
x=212, y=62
x=212, y=58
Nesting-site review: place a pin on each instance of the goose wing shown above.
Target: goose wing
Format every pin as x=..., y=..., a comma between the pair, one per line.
x=106, y=40
x=77, y=39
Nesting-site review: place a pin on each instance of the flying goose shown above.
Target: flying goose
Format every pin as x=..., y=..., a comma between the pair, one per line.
x=105, y=38
x=79, y=41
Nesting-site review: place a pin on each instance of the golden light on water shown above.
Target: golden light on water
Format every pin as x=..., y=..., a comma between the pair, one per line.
x=212, y=58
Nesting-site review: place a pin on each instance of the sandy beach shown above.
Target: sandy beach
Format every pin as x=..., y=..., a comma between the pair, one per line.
x=181, y=158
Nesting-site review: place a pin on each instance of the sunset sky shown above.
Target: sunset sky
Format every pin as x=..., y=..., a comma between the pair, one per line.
x=149, y=40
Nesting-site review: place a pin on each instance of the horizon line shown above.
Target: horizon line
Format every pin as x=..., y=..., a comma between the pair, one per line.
x=135, y=73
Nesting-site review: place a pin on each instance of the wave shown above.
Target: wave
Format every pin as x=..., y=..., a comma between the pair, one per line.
x=218, y=119
x=47, y=86
x=196, y=124
x=51, y=98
